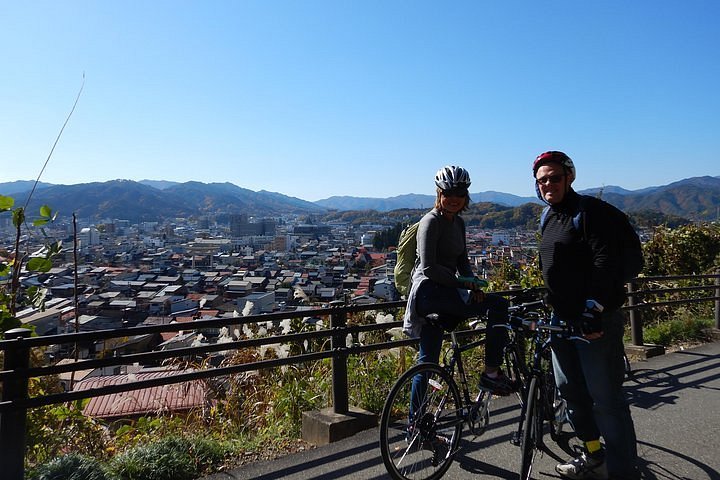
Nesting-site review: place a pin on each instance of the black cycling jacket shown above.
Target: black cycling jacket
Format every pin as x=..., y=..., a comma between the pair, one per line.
x=580, y=265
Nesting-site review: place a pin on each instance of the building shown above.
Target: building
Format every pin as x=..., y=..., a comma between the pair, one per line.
x=260, y=302
x=240, y=226
x=89, y=236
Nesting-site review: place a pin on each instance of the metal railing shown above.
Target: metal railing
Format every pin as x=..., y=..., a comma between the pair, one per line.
x=18, y=343
x=639, y=299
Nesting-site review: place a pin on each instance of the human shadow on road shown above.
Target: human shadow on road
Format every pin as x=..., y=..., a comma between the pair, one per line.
x=655, y=471
x=652, y=388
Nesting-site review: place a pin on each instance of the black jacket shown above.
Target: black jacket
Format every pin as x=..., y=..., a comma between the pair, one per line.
x=580, y=265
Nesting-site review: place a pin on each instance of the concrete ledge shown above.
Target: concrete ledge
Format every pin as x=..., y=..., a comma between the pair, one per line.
x=643, y=352
x=325, y=426
x=713, y=333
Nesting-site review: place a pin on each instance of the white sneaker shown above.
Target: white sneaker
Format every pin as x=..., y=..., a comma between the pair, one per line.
x=584, y=467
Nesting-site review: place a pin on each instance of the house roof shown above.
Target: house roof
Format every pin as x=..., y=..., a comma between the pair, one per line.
x=77, y=375
x=175, y=397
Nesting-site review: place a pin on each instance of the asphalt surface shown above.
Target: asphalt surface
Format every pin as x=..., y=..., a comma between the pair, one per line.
x=675, y=403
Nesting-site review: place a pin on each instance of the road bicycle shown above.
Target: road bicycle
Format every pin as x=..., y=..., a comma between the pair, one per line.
x=419, y=436
x=421, y=445
x=541, y=403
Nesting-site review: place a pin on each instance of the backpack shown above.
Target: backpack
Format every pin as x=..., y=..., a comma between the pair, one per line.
x=406, y=258
x=632, y=261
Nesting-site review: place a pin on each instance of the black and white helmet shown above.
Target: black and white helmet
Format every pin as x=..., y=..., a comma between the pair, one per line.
x=450, y=177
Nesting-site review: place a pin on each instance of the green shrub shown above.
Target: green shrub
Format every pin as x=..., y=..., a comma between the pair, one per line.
x=210, y=453
x=684, y=329
x=370, y=378
x=296, y=389
x=71, y=467
x=170, y=458
x=57, y=429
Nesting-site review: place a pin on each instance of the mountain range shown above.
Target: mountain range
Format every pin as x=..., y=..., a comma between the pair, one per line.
x=140, y=201
x=696, y=198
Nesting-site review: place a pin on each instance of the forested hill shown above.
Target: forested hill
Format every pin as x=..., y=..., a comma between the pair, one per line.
x=485, y=215
x=488, y=216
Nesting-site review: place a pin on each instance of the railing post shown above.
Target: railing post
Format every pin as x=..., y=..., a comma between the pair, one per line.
x=338, y=322
x=717, y=300
x=636, y=333
x=13, y=422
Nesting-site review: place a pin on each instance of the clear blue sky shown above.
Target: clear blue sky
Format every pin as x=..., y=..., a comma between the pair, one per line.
x=363, y=98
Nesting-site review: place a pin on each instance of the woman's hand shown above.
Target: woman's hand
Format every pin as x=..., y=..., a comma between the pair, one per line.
x=477, y=296
x=476, y=293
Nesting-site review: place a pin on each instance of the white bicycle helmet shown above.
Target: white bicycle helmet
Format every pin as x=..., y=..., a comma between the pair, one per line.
x=450, y=177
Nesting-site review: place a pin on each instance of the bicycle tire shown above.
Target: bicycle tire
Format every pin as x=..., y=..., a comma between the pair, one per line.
x=424, y=448
x=531, y=430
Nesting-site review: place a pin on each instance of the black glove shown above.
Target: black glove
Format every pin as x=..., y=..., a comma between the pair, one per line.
x=591, y=318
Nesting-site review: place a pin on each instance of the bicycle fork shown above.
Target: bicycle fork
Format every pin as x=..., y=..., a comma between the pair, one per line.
x=515, y=439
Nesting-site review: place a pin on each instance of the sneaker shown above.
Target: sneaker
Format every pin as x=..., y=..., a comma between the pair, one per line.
x=584, y=466
x=500, y=385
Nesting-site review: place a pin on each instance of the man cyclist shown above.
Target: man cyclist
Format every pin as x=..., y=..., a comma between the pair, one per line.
x=580, y=270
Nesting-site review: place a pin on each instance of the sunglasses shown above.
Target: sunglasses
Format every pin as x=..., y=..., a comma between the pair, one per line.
x=549, y=179
x=455, y=192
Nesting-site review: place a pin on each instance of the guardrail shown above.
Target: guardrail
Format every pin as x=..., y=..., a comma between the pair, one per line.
x=637, y=300
x=18, y=343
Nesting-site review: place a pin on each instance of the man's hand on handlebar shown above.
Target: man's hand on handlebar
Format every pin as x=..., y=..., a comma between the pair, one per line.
x=591, y=320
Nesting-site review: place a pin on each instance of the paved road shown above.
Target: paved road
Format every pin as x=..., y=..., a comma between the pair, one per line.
x=675, y=404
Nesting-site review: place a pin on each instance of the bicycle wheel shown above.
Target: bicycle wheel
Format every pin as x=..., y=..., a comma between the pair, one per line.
x=531, y=433
x=418, y=439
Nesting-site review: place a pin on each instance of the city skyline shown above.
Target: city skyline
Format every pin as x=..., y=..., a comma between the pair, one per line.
x=322, y=99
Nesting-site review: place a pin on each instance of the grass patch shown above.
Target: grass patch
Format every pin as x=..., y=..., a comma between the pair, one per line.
x=169, y=458
x=677, y=331
x=73, y=466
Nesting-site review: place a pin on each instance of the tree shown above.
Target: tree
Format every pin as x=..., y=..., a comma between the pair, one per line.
x=388, y=237
x=11, y=295
x=690, y=249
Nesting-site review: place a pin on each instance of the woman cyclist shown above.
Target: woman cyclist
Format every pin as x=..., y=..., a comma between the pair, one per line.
x=438, y=288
